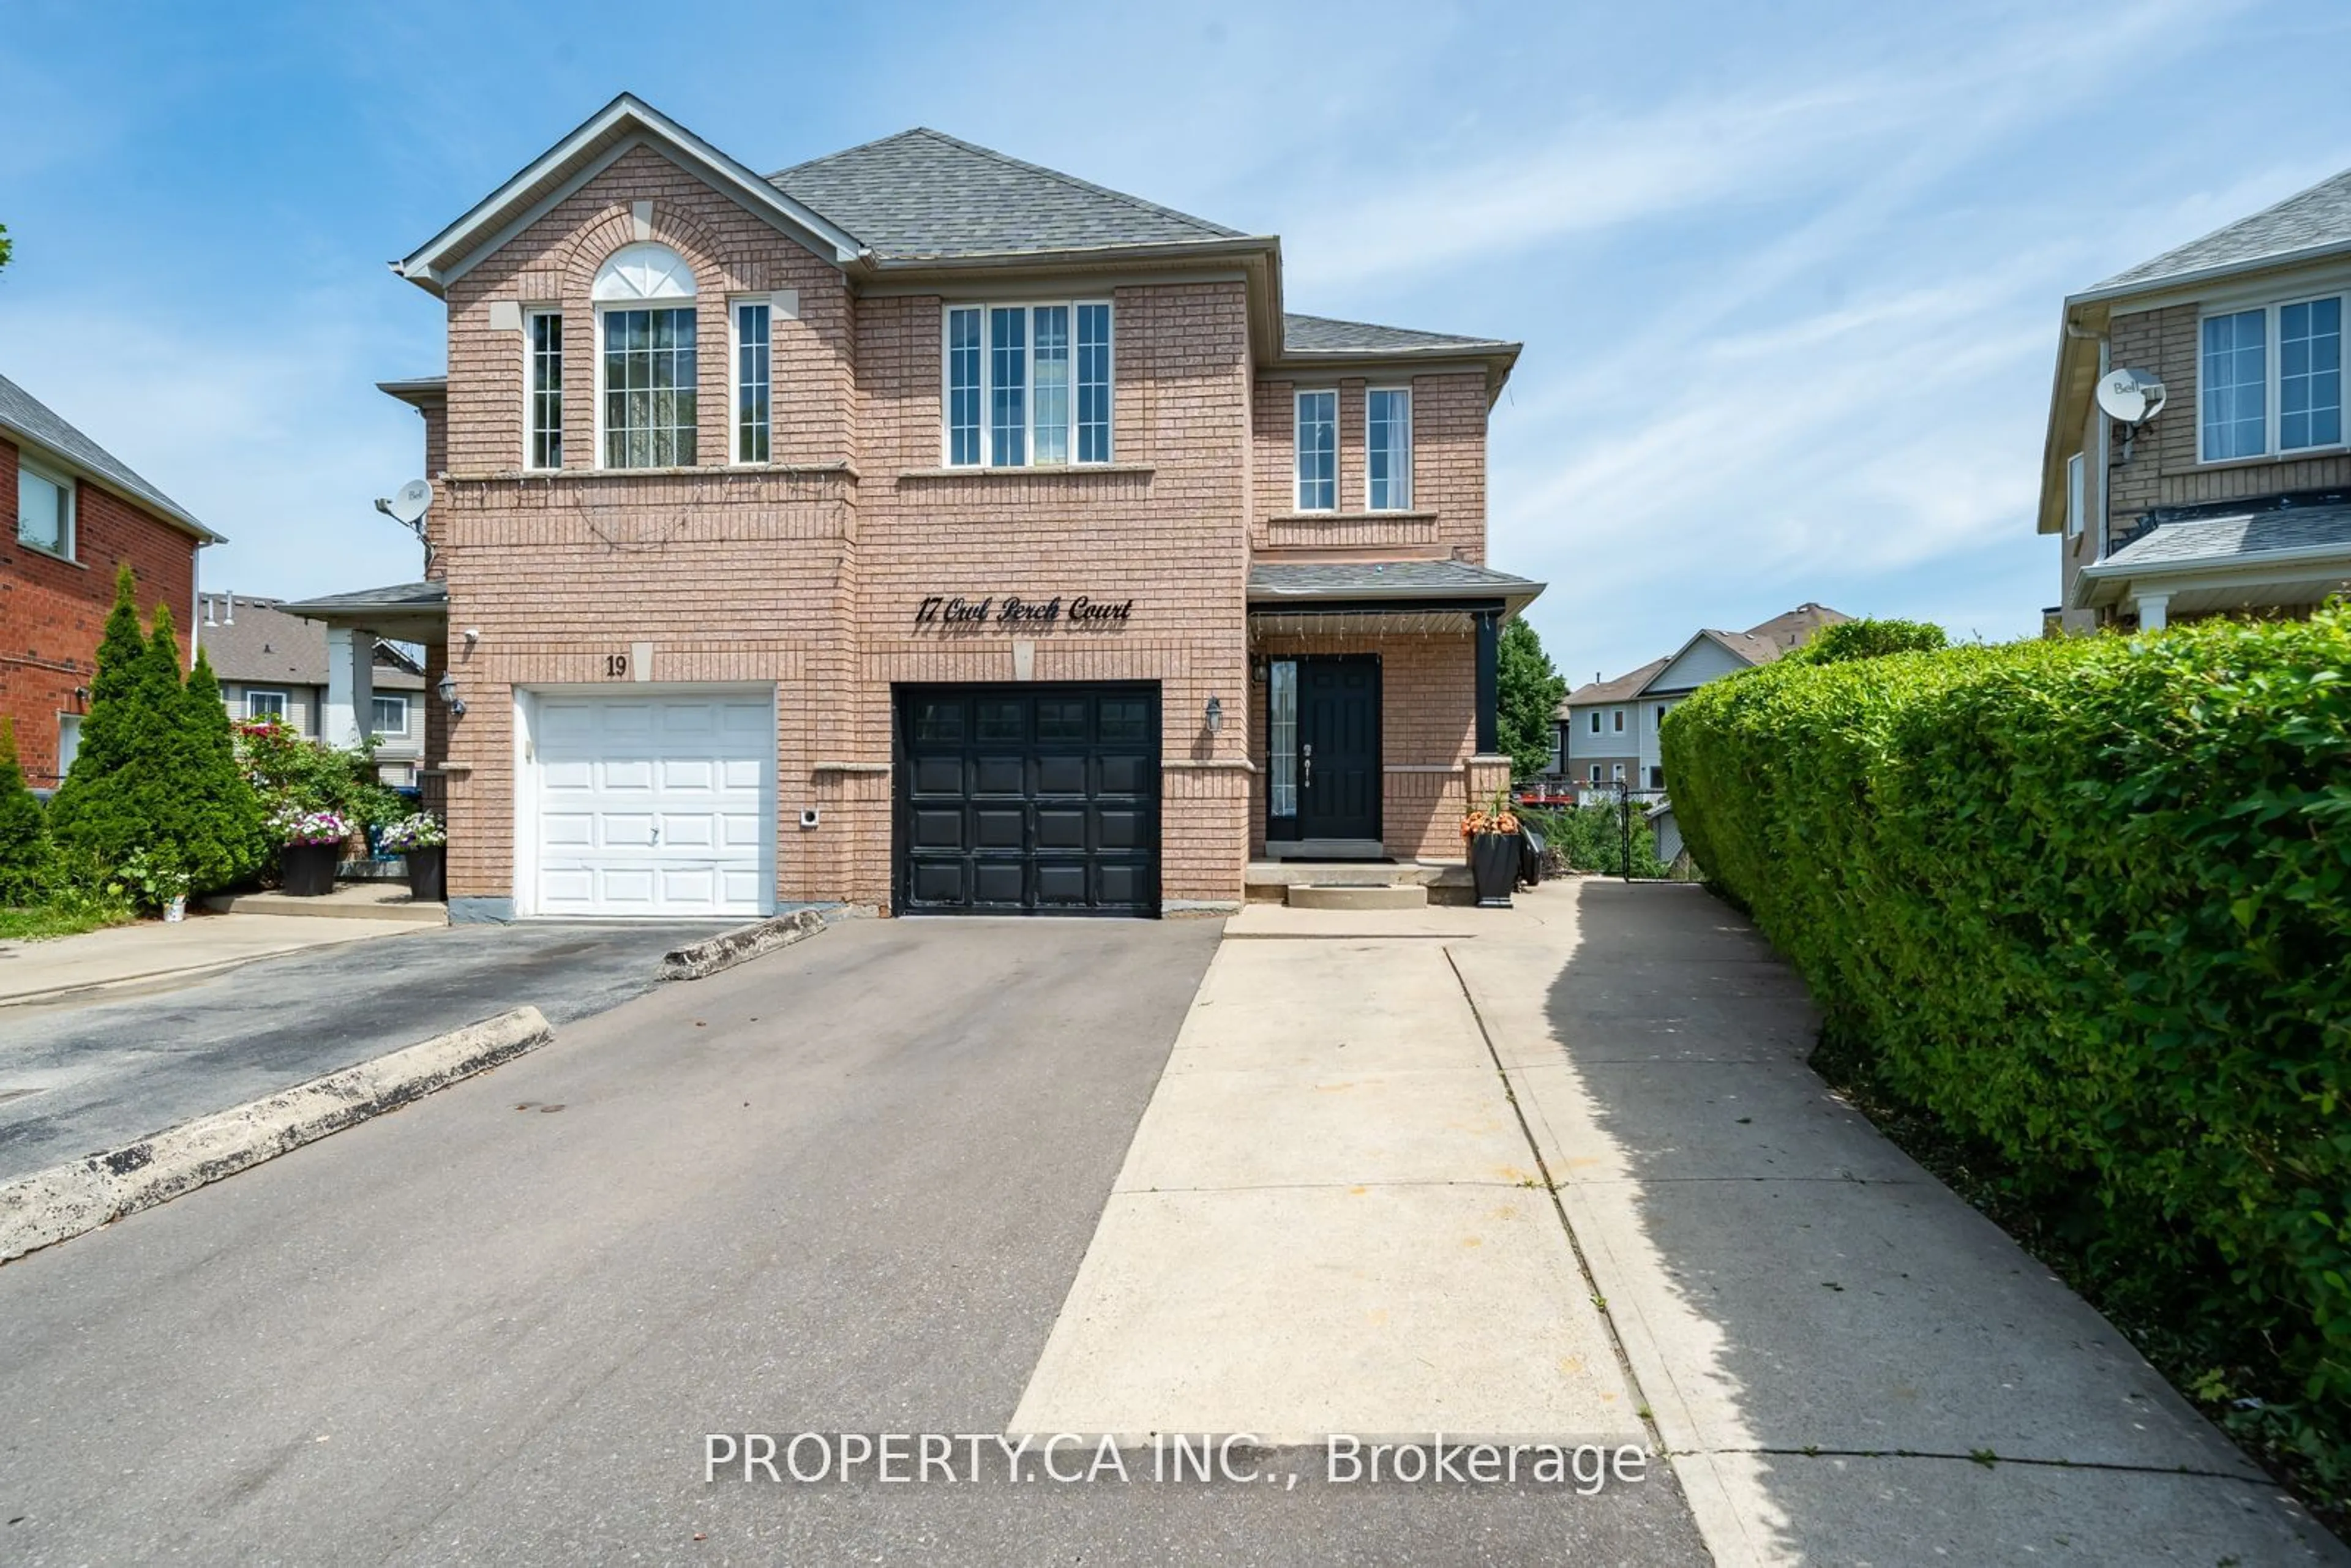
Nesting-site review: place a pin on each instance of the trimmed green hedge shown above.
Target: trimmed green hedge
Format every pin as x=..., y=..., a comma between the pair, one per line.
x=2088, y=902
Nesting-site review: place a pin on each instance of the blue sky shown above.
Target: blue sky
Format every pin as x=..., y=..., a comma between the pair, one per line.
x=1788, y=274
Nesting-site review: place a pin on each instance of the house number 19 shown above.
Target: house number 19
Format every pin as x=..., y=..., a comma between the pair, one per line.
x=616, y=666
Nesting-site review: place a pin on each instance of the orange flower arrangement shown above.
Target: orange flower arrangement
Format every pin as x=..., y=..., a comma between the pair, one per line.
x=1494, y=817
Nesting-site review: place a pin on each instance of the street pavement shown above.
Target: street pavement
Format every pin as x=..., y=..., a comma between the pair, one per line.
x=80, y=1076
x=843, y=1187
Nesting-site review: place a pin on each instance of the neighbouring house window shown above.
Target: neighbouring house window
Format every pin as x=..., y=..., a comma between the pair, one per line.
x=751, y=413
x=1028, y=385
x=1318, y=452
x=390, y=715
x=1557, y=749
x=2073, y=494
x=543, y=332
x=1388, y=446
x=265, y=705
x=1595, y=721
x=1616, y=773
x=2271, y=379
x=1656, y=777
x=44, y=509
x=2310, y=374
x=1593, y=774
x=1616, y=719
x=68, y=742
x=1281, y=738
x=647, y=363
x=2235, y=385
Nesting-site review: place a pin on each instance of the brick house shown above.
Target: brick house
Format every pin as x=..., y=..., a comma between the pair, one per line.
x=931, y=531
x=2231, y=494
x=70, y=512
x=1609, y=731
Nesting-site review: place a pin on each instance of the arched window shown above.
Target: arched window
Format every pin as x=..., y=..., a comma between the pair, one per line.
x=643, y=271
x=645, y=368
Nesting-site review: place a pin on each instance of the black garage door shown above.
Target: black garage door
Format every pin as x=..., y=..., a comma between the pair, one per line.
x=1028, y=799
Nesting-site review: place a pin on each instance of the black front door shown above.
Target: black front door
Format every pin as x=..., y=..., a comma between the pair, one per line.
x=1339, y=749
x=1028, y=799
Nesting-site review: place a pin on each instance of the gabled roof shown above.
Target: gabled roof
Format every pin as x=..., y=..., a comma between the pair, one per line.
x=1758, y=645
x=2317, y=219
x=924, y=195
x=262, y=643
x=29, y=419
x=625, y=123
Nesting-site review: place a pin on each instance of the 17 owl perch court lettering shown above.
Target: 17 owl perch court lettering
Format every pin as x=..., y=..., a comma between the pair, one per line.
x=942, y=609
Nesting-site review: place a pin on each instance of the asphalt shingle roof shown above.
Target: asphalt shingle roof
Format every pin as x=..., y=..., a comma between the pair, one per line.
x=924, y=195
x=2317, y=217
x=1276, y=580
x=31, y=418
x=1758, y=645
x=2236, y=539
x=1325, y=335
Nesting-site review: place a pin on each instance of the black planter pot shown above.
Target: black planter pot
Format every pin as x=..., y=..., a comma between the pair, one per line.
x=424, y=868
x=1494, y=868
x=307, y=870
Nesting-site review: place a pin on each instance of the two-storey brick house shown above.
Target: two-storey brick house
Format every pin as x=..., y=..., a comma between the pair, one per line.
x=2235, y=495
x=71, y=513
x=924, y=529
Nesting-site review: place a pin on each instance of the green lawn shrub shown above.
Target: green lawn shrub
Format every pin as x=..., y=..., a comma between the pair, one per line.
x=2088, y=902
x=24, y=834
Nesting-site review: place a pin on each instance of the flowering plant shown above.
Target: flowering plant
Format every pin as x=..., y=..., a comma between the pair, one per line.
x=1494, y=817
x=422, y=830
x=293, y=827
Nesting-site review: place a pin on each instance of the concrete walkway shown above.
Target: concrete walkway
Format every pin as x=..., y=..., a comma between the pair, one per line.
x=1320, y=1227
x=150, y=954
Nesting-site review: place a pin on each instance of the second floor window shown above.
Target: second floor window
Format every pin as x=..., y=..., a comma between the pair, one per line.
x=2271, y=379
x=266, y=705
x=44, y=509
x=1387, y=448
x=1028, y=385
x=544, y=329
x=1318, y=452
x=389, y=717
x=646, y=366
x=751, y=414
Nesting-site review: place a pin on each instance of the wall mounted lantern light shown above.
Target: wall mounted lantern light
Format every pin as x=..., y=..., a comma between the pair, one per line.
x=1216, y=714
x=449, y=697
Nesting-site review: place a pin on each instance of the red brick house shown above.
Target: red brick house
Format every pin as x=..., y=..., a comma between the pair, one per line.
x=927, y=530
x=70, y=512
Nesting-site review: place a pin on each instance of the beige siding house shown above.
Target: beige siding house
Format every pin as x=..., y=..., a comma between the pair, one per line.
x=2234, y=494
x=274, y=665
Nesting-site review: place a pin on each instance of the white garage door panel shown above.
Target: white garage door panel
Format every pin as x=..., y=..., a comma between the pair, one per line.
x=654, y=805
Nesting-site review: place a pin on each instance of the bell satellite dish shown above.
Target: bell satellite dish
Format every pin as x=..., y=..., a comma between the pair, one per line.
x=2130, y=397
x=411, y=501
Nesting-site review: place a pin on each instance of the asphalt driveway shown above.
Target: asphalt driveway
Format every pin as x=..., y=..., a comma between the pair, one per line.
x=85, y=1076
x=843, y=1187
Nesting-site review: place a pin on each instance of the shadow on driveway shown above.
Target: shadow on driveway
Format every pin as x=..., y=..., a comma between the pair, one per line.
x=78, y=1078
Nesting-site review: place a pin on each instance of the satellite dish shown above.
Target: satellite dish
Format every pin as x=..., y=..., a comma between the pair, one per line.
x=409, y=502
x=2131, y=397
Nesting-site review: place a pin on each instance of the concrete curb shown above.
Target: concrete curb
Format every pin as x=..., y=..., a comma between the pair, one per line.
x=62, y=1202
x=698, y=959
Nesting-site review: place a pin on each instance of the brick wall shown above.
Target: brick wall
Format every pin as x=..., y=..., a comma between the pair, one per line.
x=52, y=612
x=1448, y=478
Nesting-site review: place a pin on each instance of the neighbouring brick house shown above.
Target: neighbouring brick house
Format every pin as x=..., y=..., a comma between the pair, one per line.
x=927, y=530
x=2235, y=495
x=1609, y=731
x=71, y=513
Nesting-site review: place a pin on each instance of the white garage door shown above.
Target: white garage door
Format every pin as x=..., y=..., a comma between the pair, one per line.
x=654, y=804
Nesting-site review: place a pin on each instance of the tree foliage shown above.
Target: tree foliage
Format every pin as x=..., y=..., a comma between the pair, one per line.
x=1867, y=639
x=155, y=779
x=1528, y=692
x=23, y=835
x=7, y=246
x=2087, y=903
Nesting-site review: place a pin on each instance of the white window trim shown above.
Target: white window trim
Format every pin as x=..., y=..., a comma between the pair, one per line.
x=1615, y=773
x=1592, y=774
x=2272, y=378
x=400, y=697
x=1297, y=425
x=1028, y=404
x=529, y=314
x=69, y=543
x=734, y=303
x=1410, y=478
x=285, y=703
x=1616, y=720
x=1595, y=721
x=596, y=349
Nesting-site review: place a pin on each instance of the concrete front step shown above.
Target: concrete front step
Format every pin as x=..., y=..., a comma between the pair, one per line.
x=1359, y=895
x=1448, y=882
x=369, y=899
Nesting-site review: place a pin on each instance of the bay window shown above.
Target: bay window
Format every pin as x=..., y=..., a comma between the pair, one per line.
x=2270, y=380
x=1028, y=385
